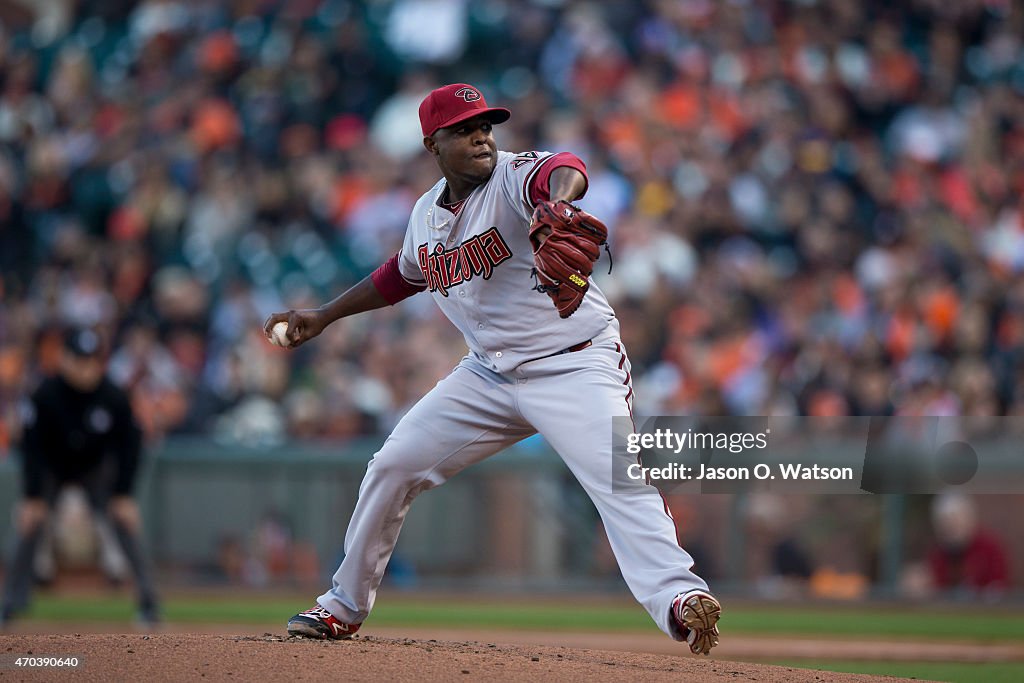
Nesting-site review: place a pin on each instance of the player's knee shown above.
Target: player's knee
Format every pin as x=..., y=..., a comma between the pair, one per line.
x=395, y=468
x=389, y=467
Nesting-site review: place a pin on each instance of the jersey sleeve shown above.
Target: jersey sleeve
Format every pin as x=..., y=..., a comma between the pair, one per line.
x=391, y=284
x=527, y=174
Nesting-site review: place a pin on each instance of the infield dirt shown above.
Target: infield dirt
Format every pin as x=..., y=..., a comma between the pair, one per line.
x=191, y=657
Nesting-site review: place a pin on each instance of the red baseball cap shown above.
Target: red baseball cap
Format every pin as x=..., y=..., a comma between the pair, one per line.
x=455, y=103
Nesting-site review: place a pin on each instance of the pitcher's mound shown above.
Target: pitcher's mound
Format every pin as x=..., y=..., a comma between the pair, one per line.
x=180, y=657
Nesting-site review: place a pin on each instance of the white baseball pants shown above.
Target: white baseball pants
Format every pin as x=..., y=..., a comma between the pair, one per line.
x=474, y=413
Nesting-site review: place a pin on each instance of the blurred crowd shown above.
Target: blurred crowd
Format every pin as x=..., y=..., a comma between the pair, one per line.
x=816, y=205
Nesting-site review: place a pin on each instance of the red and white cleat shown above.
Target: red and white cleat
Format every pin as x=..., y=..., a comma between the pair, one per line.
x=317, y=622
x=697, y=614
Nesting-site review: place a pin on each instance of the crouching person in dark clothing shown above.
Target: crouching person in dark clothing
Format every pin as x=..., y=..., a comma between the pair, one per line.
x=78, y=429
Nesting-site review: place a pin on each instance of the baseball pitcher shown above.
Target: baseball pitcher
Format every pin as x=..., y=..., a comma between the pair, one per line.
x=508, y=259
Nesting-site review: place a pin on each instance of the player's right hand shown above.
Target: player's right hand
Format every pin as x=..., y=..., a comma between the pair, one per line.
x=303, y=325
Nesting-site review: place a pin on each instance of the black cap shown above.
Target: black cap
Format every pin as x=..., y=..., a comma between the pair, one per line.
x=83, y=341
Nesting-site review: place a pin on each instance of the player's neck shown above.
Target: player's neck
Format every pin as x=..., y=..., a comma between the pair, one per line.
x=457, y=190
x=460, y=186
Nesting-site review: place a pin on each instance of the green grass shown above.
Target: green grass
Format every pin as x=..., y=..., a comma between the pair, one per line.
x=766, y=621
x=956, y=672
x=896, y=622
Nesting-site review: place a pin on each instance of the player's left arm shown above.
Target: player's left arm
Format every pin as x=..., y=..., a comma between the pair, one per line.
x=568, y=183
x=563, y=172
x=566, y=240
x=565, y=182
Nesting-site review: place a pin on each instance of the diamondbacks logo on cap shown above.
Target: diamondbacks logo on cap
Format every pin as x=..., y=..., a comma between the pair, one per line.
x=467, y=94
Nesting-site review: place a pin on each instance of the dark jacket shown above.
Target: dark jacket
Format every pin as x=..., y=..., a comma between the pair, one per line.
x=69, y=433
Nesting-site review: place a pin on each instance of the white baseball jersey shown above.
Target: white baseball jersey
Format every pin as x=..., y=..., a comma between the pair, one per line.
x=478, y=263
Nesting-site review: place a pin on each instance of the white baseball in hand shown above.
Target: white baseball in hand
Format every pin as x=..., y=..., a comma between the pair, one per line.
x=279, y=334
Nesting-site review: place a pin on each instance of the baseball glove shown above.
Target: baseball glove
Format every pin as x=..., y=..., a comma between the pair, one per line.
x=564, y=261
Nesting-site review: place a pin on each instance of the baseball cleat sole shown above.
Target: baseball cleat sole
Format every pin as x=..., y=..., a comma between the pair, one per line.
x=315, y=631
x=296, y=628
x=699, y=614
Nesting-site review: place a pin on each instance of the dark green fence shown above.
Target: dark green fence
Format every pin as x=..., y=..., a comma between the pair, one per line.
x=517, y=519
